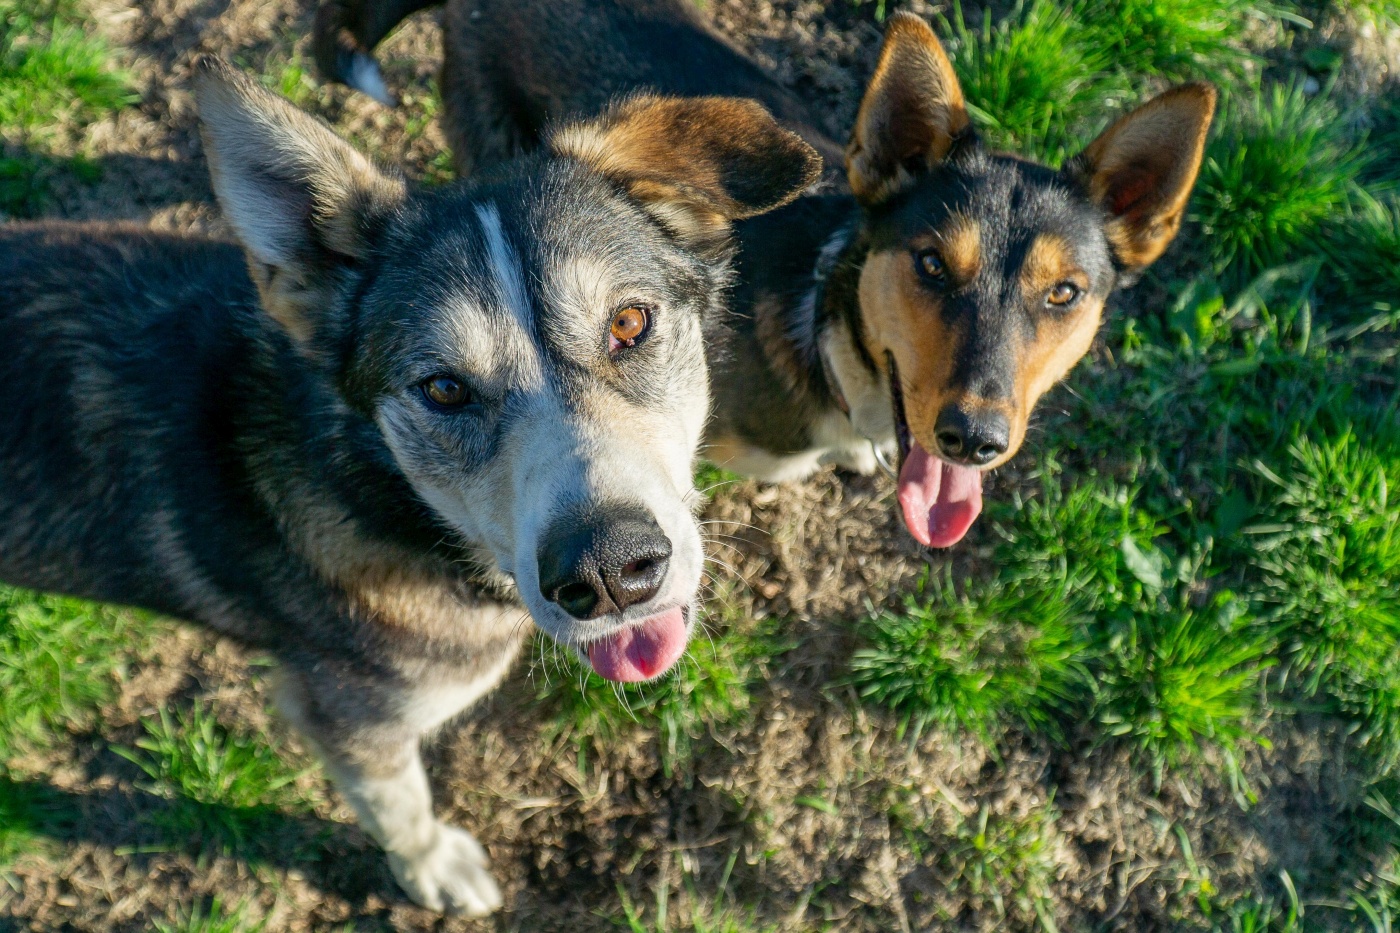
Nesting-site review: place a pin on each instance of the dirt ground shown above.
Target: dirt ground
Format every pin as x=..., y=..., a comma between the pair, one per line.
x=565, y=839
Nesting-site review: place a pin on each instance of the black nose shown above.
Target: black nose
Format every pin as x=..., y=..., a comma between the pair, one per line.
x=603, y=562
x=972, y=437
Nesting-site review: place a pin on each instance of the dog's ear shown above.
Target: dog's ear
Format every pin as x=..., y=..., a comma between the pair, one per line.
x=302, y=201
x=695, y=163
x=912, y=113
x=1140, y=171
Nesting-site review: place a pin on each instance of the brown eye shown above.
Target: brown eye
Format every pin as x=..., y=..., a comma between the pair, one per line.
x=446, y=392
x=930, y=265
x=628, y=326
x=1063, y=295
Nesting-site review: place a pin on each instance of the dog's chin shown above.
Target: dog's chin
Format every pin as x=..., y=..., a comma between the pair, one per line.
x=631, y=650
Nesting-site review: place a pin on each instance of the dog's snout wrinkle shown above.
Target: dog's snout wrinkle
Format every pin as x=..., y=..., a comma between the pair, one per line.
x=603, y=563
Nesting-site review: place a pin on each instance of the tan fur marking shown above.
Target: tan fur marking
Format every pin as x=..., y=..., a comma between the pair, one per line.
x=703, y=160
x=902, y=318
x=959, y=244
x=1058, y=346
x=1049, y=261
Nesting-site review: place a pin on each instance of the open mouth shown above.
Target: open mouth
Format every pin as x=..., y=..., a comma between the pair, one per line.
x=644, y=650
x=940, y=500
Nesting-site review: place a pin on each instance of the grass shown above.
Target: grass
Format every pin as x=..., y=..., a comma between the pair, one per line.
x=59, y=660
x=977, y=661
x=1172, y=679
x=52, y=72
x=695, y=914
x=30, y=813
x=1328, y=549
x=1003, y=864
x=1175, y=39
x=216, y=918
x=1279, y=174
x=1030, y=79
x=226, y=784
x=1368, y=256
x=1006, y=863
x=708, y=689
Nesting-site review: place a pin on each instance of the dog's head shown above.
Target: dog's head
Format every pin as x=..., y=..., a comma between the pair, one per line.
x=987, y=274
x=528, y=346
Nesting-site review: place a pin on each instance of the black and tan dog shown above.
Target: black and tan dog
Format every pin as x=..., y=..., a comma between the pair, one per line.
x=926, y=311
x=420, y=411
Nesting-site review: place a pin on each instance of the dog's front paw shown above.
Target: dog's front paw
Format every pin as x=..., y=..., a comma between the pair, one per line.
x=451, y=877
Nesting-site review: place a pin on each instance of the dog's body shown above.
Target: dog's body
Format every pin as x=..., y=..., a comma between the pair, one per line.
x=924, y=312
x=362, y=441
x=163, y=446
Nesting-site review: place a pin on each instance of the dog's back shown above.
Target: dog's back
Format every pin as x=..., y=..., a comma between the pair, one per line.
x=511, y=67
x=108, y=326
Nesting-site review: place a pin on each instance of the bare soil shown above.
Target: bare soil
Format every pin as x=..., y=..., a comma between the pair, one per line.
x=564, y=838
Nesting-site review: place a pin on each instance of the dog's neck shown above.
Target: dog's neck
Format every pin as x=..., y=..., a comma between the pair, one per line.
x=841, y=369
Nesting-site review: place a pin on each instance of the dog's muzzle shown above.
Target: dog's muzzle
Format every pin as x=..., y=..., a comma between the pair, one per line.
x=601, y=563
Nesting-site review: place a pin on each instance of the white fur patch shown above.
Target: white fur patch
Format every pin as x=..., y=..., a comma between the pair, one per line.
x=505, y=266
x=366, y=78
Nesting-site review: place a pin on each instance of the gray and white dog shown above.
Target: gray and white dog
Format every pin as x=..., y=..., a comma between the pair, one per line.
x=365, y=439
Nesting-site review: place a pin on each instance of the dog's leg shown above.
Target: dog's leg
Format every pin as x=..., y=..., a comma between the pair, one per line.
x=367, y=736
x=439, y=866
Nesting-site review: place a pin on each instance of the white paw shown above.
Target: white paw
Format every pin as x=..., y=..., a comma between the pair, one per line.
x=451, y=877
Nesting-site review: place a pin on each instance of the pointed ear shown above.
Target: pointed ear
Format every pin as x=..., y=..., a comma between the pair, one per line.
x=912, y=113
x=694, y=163
x=1141, y=169
x=301, y=200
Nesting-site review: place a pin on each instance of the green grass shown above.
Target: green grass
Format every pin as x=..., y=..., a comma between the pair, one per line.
x=1282, y=171
x=1175, y=39
x=52, y=70
x=30, y=813
x=1328, y=548
x=293, y=79
x=709, y=688
x=1003, y=864
x=25, y=180
x=216, y=918
x=1172, y=679
x=695, y=914
x=1379, y=14
x=717, y=919
x=710, y=478
x=225, y=784
x=1006, y=864
x=59, y=660
x=977, y=661
x=1367, y=256
x=1031, y=81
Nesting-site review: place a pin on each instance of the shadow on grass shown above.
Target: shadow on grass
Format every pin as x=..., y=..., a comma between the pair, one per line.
x=142, y=825
x=35, y=184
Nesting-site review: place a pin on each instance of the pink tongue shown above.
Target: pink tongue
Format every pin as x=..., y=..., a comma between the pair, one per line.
x=641, y=652
x=940, y=500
